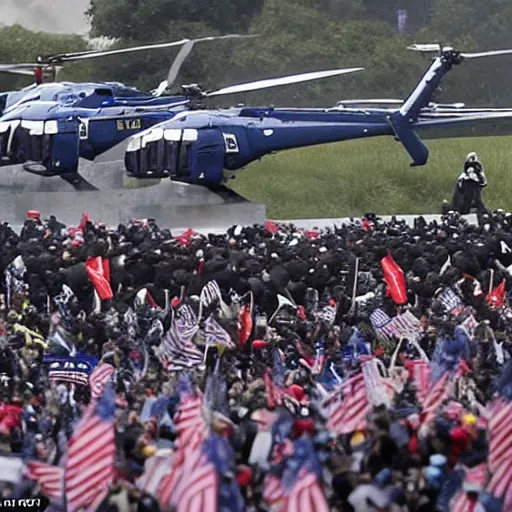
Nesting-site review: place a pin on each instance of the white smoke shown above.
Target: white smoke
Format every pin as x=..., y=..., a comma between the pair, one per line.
x=57, y=16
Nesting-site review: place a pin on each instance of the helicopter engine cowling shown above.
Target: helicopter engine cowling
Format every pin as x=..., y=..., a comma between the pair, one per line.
x=187, y=155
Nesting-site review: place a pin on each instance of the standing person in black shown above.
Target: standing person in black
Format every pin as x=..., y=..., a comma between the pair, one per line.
x=468, y=191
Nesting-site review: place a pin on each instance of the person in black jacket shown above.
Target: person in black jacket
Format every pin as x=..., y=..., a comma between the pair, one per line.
x=468, y=191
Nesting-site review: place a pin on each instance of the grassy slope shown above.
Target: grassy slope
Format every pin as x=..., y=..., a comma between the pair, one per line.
x=351, y=178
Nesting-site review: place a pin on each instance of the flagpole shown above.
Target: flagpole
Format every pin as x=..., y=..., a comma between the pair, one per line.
x=354, y=288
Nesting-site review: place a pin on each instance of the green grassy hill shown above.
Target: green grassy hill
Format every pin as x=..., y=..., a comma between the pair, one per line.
x=354, y=177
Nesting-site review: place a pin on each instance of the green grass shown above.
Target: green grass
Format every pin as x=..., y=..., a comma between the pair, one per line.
x=354, y=177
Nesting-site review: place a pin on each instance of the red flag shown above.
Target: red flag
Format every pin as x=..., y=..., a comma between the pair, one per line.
x=98, y=271
x=244, y=324
x=394, y=279
x=271, y=227
x=497, y=296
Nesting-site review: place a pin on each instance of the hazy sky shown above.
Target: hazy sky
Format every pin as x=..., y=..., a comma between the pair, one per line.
x=62, y=16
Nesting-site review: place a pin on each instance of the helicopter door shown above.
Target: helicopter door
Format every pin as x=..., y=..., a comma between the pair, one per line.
x=206, y=158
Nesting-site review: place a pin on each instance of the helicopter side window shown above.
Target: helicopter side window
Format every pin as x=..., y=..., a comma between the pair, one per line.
x=3, y=101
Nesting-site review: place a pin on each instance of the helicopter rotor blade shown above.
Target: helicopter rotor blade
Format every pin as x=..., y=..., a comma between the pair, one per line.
x=23, y=72
x=425, y=48
x=11, y=67
x=491, y=53
x=285, y=80
x=183, y=55
x=71, y=57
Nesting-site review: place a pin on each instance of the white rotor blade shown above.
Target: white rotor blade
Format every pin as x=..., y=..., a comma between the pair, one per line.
x=18, y=72
x=425, y=47
x=286, y=80
x=9, y=67
x=184, y=53
x=486, y=54
x=102, y=53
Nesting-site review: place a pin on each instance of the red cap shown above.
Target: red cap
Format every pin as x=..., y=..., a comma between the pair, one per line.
x=34, y=214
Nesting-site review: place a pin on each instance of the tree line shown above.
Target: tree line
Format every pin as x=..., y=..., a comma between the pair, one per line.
x=294, y=36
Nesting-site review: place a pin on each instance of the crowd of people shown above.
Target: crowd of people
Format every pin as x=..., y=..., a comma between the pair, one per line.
x=360, y=368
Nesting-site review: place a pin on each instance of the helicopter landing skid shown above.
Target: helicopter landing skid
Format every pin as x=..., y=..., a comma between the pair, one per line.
x=78, y=182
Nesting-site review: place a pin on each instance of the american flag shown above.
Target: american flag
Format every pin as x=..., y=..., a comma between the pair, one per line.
x=351, y=414
x=328, y=314
x=177, y=351
x=274, y=380
x=500, y=451
x=450, y=301
x=215, y=335
x=500, y=433
x=405, y=325
x=434, y=397
x=48, y=477
x=210, y=293
x=419, y=371
x=155, y=469
x=376, y=392
x=99, y=378
x=306, y=495
x=90, y=464
x=192, y=431
x=186, y=314
x=273, y=491
x=74, y=370
x=300, y=481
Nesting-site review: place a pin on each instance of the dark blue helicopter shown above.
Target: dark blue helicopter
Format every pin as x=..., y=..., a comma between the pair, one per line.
x=197, y=147
x=51, y=126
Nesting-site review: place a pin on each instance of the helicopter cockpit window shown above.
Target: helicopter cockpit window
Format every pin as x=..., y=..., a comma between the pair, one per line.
x=66, y=98
x=3, y=101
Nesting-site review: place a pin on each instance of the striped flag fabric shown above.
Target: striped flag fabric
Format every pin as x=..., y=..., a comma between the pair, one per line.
x=186, y=314
x=215, y=335
x=155, y=469
x=177, y=351
x=469, y=325
x=500, y=434
x=306, y=495
x=48, y=477
x=99, y=378
x=378, y=390
x=419, y=372
x=299, y=487
x=349, y=414
x=273, y=491
x=450, y=301
x=405, y=325
x=210, y=293
x=328, y=314
x=90, y=464
x=434, y=397
x=192, y=431
x=500, y=452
